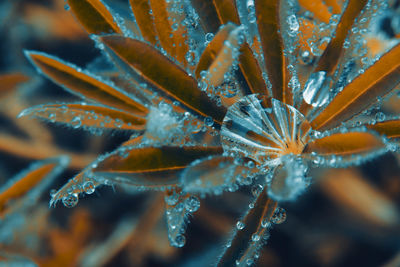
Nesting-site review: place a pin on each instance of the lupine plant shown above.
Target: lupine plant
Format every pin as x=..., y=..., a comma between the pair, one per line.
x=219, y=95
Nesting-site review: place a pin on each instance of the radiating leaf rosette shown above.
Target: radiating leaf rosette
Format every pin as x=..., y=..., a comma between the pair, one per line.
x=263, y=129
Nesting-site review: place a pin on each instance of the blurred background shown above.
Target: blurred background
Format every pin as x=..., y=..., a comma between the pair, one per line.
x=349, y=217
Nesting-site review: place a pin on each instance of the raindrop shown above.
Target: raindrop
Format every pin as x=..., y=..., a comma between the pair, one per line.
x=256, y=190
x=255, y=237
x=380, y=116
x=316, y=90
x=89, y=187
x=180, y=241
x=293, y=25
x=279, y=216
x=70, y=201
x=239, y=225
x=209, y=36
x=76, y=122
x=265, y=223
x=208, y=121
x=192, y=204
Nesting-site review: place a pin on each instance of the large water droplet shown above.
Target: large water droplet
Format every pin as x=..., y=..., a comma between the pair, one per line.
x=263, y=129
x=316, y=89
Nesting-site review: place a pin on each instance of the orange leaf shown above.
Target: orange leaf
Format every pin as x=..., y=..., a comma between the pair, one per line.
x=376, y=81
x=268, y=21
x=251, y=71
x=10, y=81
x=333, y=51
x=94, y=16
x=215, y=13
x=352, y=192
x=154, y=167
x=164, y=74
x=345, y=144
x=242, y=246
x=87, y=116
x=390, y=128
x=28, y=180
x=318, y=8
x=213, y=48
x=220, y=54
x=144, y=19
x=85, y=85
x=172, y=40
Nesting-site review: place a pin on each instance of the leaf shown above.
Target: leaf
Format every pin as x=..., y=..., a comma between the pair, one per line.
x=150, y=167
x=216, y=13
x=31, y=182
x=344, y=148
x=163, y=73
x=174, y=41
x=94, y=16
x=350, y=190
x=10, y=81
x=389, y=128
x=268, y=21
x=141, y=9
x=242, y=246
x=213, y=174
x=220, y=54
x=83, y=84
x=86, y=116
x=318, y=8
x=251, y=71
x=362, y=92
x=213, y=48
x=330, y=58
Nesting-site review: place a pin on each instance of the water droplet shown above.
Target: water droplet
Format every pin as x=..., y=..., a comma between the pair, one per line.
x=316, y=89
x=380, y=116
x=180, y=241
x=255, y=237
x=209, y=36
x=76, y=122
x=279, y=216
x=89, y=187
x=239, y=225
x=172, y=199
x=293, y=25
x=192, y=204
x=265, y=223
x=53, y=192
x=70, y=201
x=209, y=121
x=256, y=190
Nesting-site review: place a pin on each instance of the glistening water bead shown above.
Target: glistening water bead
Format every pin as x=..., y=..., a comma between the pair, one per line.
x=70, y=201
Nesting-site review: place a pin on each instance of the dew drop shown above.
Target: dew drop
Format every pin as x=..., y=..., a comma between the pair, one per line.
x=279, y=216
x=256, y=190
x=70, y=201
x=208, y=121
x=89, y=187
x=255, y=237
x=209, y=36
x=239, y=225
x=180, y=241
x=293, y=25
x=380, y=116
x=192, y=204
x=316, y=90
